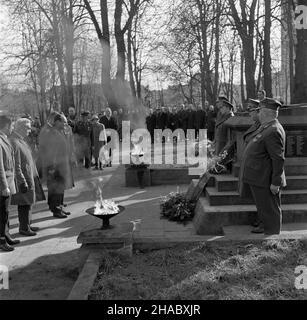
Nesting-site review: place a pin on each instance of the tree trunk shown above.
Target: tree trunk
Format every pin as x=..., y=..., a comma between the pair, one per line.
x=267, y=60
x=59, y=55
x=69, y=53
x=130, y=63
x=120, y=41
x=291, y=48
x=242, y=78
x=217, y=47
x=106, y=51
x=250, y=67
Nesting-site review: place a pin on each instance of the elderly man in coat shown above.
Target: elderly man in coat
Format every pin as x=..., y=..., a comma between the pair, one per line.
x=7, y=183
x=56, y=158
x=29, y=187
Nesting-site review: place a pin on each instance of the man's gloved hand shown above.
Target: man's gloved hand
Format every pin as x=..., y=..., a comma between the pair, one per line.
x=24, y=188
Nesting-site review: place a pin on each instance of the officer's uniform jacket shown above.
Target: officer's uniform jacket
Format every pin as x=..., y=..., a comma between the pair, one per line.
x=264, y=157
x=249, y=133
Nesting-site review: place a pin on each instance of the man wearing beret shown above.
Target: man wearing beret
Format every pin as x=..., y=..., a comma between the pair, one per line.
x=7, y=183
x=262, y=167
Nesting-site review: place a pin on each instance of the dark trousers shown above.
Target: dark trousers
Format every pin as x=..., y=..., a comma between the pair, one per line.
x=86, y=161
x=55, y=201
x=24, y=217
x=269, y=209
x=98, y=163
x=211, y=135
x=4, y=215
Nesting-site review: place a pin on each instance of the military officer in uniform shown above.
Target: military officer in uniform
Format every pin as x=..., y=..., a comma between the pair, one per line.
x=221, y=129
x=82, y=131
x=262, y=168
x=253, y=109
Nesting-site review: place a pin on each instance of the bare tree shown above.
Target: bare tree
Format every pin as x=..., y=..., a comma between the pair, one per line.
x=245, y=25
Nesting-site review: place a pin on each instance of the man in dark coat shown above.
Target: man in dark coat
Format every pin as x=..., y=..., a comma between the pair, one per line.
x=221, y=128
x=210, y=122
x=200, y=119
x=263, y=167
x=109, y=123
x=56, y=164
x=191, y=117
x=82, y=133
x=151, y=124
x=30, y=189
x=7, y=183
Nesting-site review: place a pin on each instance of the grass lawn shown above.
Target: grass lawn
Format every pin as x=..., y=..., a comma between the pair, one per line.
x=204, y=272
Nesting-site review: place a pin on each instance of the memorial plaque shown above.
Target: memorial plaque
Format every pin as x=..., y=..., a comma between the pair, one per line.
x=296, y=146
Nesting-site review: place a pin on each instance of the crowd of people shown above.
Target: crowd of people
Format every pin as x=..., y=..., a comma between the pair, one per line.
x=186, y=117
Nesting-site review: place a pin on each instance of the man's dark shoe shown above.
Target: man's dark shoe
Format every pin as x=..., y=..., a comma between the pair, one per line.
x=259, y=230
x=11, y=242
x=66, y=213
x=59, y=215
x=4, y=246
x=28, y=233
x=34, y=229
x=256, y=224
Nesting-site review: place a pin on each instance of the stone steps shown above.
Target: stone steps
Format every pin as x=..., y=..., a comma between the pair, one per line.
x=230, y=183
x=225, y=198
x=210, y=220
x=293, y=167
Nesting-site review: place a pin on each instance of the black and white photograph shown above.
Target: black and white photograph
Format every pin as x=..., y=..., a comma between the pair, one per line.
x=153, y=153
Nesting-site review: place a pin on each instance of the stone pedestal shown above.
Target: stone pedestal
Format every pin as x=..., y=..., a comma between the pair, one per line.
x=133, y=175
x=294, y=121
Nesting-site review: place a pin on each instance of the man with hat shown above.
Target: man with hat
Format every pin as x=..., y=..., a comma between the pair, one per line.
x=262, y=168
x=253, y=109
x=7, y=183
x=83, y=130
x=221, y=128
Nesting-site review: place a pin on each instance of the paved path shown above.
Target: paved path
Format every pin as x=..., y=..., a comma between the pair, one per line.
x=46, y=266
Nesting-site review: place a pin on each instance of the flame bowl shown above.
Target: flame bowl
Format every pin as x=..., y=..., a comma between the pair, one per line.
x=105, y=218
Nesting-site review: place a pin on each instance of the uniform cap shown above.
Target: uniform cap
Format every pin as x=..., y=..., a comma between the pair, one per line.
x=222, y=99
x=253, y=105
x=271, y=104
x=228, y=104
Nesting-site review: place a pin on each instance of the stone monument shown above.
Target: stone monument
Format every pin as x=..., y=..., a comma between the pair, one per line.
x=221, y=204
